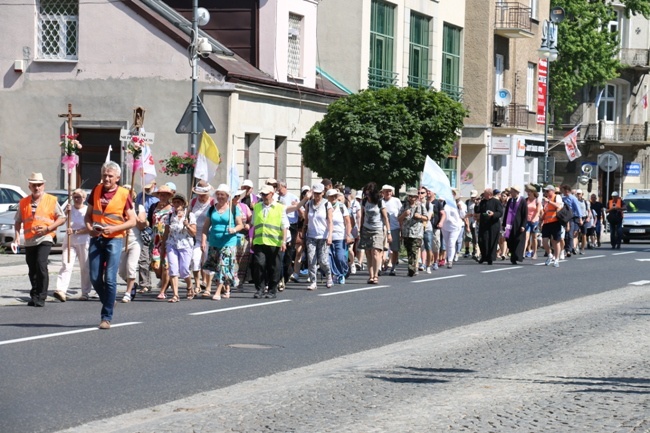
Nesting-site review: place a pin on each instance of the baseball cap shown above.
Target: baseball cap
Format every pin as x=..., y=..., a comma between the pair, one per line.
x=319, y=187
x=615, y=194
x=549, y=188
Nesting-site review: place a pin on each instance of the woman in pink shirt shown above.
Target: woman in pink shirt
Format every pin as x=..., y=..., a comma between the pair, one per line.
x=534, y=206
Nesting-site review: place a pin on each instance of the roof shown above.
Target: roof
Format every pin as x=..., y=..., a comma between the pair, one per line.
x=225, y=61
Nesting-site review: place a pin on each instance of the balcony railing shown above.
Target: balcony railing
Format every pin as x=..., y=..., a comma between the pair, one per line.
x=635, y=57
x=380, y=78
x=614, y=132
x=454, y=92
x=513, y=20
x=511, y=116
x=418, y=82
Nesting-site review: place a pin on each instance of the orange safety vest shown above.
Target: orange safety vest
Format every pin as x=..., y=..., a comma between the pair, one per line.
x=113, y=214
x=550, y=213
x=44, y=215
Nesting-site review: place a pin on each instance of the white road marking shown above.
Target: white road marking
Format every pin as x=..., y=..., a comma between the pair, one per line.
x=352, y=291
x=643, y=260
x=439, y=278
x=241, y=307
x=591, y=257
x=501, y=269
x=640, y=283
x=59, y=334
x=624, y=252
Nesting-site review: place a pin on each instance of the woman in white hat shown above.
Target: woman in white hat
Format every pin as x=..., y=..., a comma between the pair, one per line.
x=318, y=230
x=199, y=206
x=180, y=228
x=157, y=216
x=219, y=239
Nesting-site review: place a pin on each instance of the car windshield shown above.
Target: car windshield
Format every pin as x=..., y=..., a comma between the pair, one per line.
x=638, y=205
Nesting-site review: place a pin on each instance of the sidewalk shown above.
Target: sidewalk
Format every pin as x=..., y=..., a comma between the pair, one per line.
x=578, y=366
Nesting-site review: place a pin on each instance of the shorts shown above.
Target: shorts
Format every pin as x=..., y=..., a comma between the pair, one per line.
x=532, y=227
x=582, y=229
x=435, y=241
x=394, y=243
x=197, y=257
x=371, y=240
x=591, y=231
x=552, y=231
x=427, y=240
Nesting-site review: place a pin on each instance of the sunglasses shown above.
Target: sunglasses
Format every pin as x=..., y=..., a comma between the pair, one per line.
x=423, y=192
x=77, y=196
x=37, y=185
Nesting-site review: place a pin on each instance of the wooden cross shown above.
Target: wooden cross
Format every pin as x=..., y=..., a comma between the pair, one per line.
x=69, y=115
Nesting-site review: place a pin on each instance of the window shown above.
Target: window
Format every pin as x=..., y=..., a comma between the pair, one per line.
x=607, y=104
x=280, y=158
x=449, y=167
x=528, y=169
x=531, y=87
x=451, y=73
x=58, y=29
x=533, y=8
x=419, y=52
x=382, y=38
x=294, y=67
x=499, y=63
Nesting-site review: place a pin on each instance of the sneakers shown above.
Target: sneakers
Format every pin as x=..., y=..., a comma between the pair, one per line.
x=456, y=258
x=529, y=254
x=105, y=324
x=312, y=286
x=257, y=295
x=84, y=297
x=126, y=298
x=281, y=286
x=466, y=255
x=421, y=267
x=341, y=279
x=428, y=269
x=563, y=255
x=329, y=283
x=353, y=269
x=295, y=278
x=549, y=259
x=450, y=264
x=441, y=262
x=435, y=266
x=556, y=264
x=59, y=295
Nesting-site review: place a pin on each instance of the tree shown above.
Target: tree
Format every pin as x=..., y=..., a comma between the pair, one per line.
x=382, y=135
x=587, y=49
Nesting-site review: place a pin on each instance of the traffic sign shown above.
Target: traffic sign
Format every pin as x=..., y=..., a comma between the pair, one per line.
x=632, y=169
x=608, y=161
x=204, y=122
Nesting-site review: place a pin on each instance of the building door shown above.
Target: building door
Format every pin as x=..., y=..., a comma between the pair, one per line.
x=96, y=143
x=607, y=111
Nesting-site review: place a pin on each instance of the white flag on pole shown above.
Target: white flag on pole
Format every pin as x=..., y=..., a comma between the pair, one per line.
x=434, y=179
x=233, y=177
x=148, y=166
x=108, y=155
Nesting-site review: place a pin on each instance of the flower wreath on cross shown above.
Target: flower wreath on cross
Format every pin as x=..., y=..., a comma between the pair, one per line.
x=134, y=150
x=69, y=146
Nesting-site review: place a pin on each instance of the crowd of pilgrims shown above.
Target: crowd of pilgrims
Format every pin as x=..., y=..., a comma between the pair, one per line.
x=331, y=232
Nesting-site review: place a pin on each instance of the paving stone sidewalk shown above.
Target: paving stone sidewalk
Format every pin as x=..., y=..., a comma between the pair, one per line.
x=579, y=366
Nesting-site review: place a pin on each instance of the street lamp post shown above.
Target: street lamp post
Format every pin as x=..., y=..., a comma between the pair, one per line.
x=548, y=51
x=198, y=47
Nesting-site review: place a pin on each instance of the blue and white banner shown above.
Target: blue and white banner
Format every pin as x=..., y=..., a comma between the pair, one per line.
x=434, y=179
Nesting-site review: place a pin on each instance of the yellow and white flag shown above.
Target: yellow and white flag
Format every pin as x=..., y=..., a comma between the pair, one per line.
x=207, y=159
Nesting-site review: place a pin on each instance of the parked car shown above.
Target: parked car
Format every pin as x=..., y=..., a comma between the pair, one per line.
x=10, y=195
x=7, y=222
x=636, y=218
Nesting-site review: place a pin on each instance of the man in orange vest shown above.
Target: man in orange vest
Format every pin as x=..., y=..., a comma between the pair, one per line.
x=615, y=208
x=110, y=214
x=551, y=226
x=39, y=214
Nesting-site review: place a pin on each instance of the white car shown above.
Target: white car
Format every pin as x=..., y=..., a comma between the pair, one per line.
x=10, y=194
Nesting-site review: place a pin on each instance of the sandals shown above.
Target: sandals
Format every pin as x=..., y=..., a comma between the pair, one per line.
x=161, y=295
x=190, y=294
x=226, y=295
x=143, y=290
x=217, y=297
x=373, y=280
x=173, y=300
x=206, y=294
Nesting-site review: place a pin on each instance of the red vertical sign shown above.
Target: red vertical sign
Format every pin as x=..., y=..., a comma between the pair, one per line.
x=542, y=77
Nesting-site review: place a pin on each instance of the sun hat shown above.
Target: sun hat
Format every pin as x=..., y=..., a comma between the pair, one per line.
x=222, y=188
x=531, y=187
x=332, y=192
x=387, y=187
x=267, y=189
x=473, y=193
x=271, y=181
x=163, y=189
x=180, y=197
x=172, y=185
x=549, y=188
x=305, y=188
x=248, y=183
x=202, y=189
x=238, y=193
x=515, y=188
x=412, y=192
x=318, y=188
x=359, y=194
x=36, y=178
x=150, y=185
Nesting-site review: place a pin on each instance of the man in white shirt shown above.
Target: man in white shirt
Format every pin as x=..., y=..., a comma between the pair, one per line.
x=392, y=206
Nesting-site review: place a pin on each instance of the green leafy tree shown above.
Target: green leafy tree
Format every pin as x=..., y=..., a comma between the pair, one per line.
x=383, y=135
x=587, y=49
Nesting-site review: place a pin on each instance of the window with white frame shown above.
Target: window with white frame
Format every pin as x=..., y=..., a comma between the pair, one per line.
x=607, y=103
x=528, y=170
x=58, y=29
x=531, y=87
x=294, y=67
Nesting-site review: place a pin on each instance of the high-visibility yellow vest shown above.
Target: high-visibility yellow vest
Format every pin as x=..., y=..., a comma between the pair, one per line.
x=267, y=230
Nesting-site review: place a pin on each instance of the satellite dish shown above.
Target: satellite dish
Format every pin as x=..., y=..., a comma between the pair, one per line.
x=203, y=16
x=503, y=98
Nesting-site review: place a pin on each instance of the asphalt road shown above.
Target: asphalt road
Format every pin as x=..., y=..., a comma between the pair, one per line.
x=158, y=352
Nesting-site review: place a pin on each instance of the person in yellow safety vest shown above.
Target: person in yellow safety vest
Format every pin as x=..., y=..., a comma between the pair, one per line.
x=39, y=214
x=110, y=214
x=270, y=224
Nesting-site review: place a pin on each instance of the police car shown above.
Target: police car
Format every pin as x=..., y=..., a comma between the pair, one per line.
x=636, y=220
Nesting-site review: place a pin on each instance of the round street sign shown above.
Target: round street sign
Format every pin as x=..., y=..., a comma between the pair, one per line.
x=608, y=161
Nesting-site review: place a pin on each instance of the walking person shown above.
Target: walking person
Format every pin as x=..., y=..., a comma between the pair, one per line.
x=392, y=205
x=599, y=210
x=615, y=208
x=451, y=229
x=318, y=234
x=178, y=245
x=514, y=225
x=219, y=240
x=488, y=213
x=131, y=252
x=533, y=213
x=79, y=239
x=412, y=218
x=109, y=214
x=39, y=214
x=287, y=199
x=148, y=200
x=341, y=236
x=199, y=206
x=551, y=226
x=156, y=217
x=374, y=222
x=270, y=225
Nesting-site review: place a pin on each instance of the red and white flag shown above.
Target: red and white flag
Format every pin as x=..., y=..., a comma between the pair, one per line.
x=148, y=166
x=570, y=141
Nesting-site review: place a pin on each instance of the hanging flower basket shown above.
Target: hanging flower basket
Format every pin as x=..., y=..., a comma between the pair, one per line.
x=69, y=147
x=178, y=164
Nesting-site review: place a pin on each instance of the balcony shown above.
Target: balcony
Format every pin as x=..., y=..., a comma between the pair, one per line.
x=513, y=20
x=418, y=82
x=511, y=116
x=454, y=92
x=612, y=133
x=380, y=78
x=635, y=58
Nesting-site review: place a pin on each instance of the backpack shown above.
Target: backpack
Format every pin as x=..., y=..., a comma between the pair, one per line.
x=564, y=215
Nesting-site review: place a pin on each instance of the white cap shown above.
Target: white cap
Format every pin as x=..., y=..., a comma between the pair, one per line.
x=578, y=191
x=615, y=194
x=387, y=187
x=333, y=191
x=319, y=187
x=248, y=183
